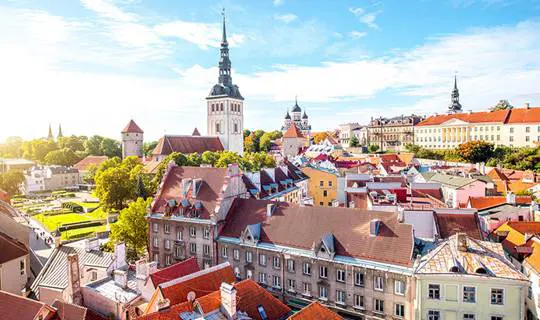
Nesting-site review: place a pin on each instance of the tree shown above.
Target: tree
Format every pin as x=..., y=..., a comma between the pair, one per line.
x=11, y=181
x=141, y=189
x=11, y=148
x=194, y=160
x=114, y=187
x=249, y=144
x=62, y=157
x=258, y=160
x=90, y=175
x=502, y=105
x=319, y=137
x=373, y=148
x=93, y=146
x=111, y=148
x=132, y=227
x=74, y=143
x=226, y=158
x=266, y=142
x=247, y=132
x=209, y=157
x=475, y=151
x=148, y=147
x=354, y=142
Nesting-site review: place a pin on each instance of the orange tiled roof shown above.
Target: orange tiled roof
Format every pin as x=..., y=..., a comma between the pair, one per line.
x=482, y=203
x=88, y=161
x=315, y=311
x=518, y=186
x=132, y=127
x=293, y=132
x=534, y=258
x=515, y=115
x=250, y=295
x=524, y=115
x=209, y=302
x=170, y=313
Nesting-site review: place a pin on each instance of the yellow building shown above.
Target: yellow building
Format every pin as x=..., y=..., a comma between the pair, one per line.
x=469, y=279
x=322, y=186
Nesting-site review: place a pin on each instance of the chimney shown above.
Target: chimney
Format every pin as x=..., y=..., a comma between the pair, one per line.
x=91, y=244
x=374, y=227
x=120, y=278
x=228, y=300
x=163, y=304
x=461, y=242
x=527, y=105
x=510, y=197
x=74, y=279
x=142, y=273
x=270, y=209
x=120, y=256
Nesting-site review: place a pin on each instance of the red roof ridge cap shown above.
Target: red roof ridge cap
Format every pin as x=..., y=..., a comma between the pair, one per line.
x=195, y=275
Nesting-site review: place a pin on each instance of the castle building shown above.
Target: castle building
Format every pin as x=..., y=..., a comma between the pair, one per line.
x=225, y=105
x=132, y=140
x=300, y=120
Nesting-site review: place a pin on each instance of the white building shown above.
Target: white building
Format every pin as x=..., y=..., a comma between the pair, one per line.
x=49, y=178
x=132, y=140
x=225, y=105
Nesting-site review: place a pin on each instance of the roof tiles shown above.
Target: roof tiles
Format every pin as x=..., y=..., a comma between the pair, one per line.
x=187, y=144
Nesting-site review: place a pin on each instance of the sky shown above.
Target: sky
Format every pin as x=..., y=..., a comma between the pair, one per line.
x=92, y=65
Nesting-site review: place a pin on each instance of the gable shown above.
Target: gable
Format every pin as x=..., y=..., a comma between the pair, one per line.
x=454, y=122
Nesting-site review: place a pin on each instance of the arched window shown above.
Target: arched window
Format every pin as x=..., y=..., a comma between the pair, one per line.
x=235, y=127
x=218, y=129
x=221, y=107
x=212, y=107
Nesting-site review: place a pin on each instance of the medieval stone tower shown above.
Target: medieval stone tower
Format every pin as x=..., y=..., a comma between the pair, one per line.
x=132, y=140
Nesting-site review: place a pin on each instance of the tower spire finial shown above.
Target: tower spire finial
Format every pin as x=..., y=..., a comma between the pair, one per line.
x=224, y=36
x=50, y=135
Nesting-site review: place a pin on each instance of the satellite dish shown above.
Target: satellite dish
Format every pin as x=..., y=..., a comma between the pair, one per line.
x=191, y=296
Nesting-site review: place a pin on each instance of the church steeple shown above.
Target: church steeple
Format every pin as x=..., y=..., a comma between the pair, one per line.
x=60, y=135
x=50, y=135
x=224, y=62
x=455, y=106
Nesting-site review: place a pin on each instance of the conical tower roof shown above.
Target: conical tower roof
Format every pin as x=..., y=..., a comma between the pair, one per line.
x=132, y=127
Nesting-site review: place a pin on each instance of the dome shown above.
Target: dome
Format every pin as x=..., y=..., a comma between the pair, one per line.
x=296, y=108
x=305, y=115
x=287, y=116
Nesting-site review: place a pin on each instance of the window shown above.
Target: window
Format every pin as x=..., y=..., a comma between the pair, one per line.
x=224, y=252
x=262, y=259
x=511, y=130
x=527, y=129
x=340, y=297
x=193, y=247
x=179, y=234
x=469, y=294
x=306, y=268
x=236, y=254
x=276, y=282
x=276, y=262
x=399, y=287
x=262, y=278
x=290, y=265
x=192, y=232
x=468, y=316
x=323, y=292
x=21, y=267
x=206, y=233
x=434, y=315
x=527, y=138
x=291, y=283
x=358, y=301
x=511, y=138
x=167, y=244
x=167, y=228
x=530, y=293
x=156, y=257
x=323, y=272
x=359, y=279
x=321, y=183
x=156, y=243
x=399, y=310
x=434, y=291
x=340, y=275
x=237, y=272
x=93, y=276
x=321, y=203
x=497, y=296
x=206, y=249
x=496, y=318
x=329, y=203
x=218, y=129
x=249, y=256
x=249, y=274
x=155, y=227
x=329, y=183
x=307, y=289
x=168, y=260
x=178, y=252
x=378, y=283
x=325, y=193
x=379, y=305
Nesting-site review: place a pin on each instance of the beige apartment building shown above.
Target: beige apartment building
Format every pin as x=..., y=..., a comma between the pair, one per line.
x=517, y=127
x=392, y=133
x=344, y=258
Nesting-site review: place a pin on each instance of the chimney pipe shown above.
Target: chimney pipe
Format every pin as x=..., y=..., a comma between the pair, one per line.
x=527, y=105
x=510, y=198
x=270, y=209
x=228, y=300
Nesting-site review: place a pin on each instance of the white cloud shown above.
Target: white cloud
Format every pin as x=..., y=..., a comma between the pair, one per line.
x=108, y=9
x=203, y=35
x=357, y=34
x=367, y=18
x=278, y=3
x=286, y=18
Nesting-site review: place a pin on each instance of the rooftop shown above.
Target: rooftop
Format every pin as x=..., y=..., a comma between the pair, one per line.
x=315, y=311
x=451, y=181
x=108, y=288
x=482, y=203
x=17, y=307
x=88, y=161
x=449, y=224
x=174, y=271
x=293, y=132
x=513, y=116
x=132, y=127
x=187, y=144
x=11, y=249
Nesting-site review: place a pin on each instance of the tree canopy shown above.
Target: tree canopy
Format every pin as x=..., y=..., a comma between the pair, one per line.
x=132, y=226
x=11, y=181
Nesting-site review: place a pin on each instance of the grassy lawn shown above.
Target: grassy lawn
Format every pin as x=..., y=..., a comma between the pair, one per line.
x=51, y=222
x=97, y=214
x=88, y=204
x=82, y=232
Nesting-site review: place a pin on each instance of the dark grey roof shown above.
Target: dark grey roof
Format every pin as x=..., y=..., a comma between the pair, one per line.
x=220, y=90
x=287, y=116
x=296, y=108
x=305, y=115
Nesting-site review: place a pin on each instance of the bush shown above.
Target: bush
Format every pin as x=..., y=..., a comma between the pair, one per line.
x=73, y=206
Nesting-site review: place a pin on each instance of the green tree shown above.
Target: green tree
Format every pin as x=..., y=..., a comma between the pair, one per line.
x=258, y=160
x=62, y=157
x=111, y=148
x=132, y=226
x=89, y=177
x=373, y=148
x=93, y=146
x=226, y=158
x=114, y=188
x=11, y=148
x=475, y=151
x=194, y=160
x=265, y=142
x=354, y=142
x=74, y=143
x=247, y=132
x=209, y=157
x=250, y=144
x=11, y=181
x=148, y=147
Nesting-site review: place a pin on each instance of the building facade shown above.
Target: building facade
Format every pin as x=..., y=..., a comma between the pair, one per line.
x=14, y=265
x=225, y=105
x=49, y=178
x=132, y=140
x=301, y=121
x=322, y=185
x=346, y=132
x=293, y=141
x=392, y=133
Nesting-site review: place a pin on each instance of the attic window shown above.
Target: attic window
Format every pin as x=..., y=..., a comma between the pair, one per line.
x=249, y=237
x=481, y=270
x=262, y=313
x=454, y=269
x=322, y=249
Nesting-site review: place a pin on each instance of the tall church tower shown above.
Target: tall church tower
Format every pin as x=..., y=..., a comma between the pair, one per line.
x=225, y=105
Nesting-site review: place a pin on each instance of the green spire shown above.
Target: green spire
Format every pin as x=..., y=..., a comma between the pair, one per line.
x=50, y=135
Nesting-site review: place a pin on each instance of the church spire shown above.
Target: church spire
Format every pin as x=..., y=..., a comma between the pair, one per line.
x=224, y=36
x=455, y=106
x=50, y=135
x=224, y=62
x=60, y=135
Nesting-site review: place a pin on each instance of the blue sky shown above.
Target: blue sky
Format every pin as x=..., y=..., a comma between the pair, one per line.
x=91, y=65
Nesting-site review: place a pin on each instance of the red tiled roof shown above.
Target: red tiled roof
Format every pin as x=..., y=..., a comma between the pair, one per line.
x=482, y=203
x=529, y=227
x=68, y=311
x=132, y=127
x=450, y=224
x=209, y=302
x=175, y=271
x=201, y=283
x=10, y=248
x=515, y=115
x=187, y=144
x=293, y=132
x=170, y=313
x=17, y=307
x=91, y=315
x=85, y=163
x=315, y=311
x=300, y=227
x=497, y=174
x=524, y=115
x=212, y=183
x=249, y=295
